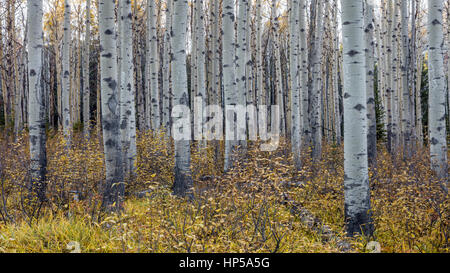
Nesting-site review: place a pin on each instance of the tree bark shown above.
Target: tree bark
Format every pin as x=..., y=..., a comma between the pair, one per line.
x=86, y=74
x=66, y=75
x=370, y=65
x=113, y=189
x=229, y=81
x=183, y=183
x=356, y=181
x=36, y=107
x=153, y=67
x=437, y=93
x=295, y=88
x=127, y=92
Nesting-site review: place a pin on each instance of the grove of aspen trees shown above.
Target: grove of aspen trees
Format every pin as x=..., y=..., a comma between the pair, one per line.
x=219, y=126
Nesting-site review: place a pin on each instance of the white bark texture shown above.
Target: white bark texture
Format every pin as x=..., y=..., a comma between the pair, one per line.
x=167, y=70
x=303, y=78
x=66, y=74
x=229, y=81
x=127, y=100
x=294, y=81
x=201, y=65
x=152, y=98
x=183, y=180
x=242, y=58
x=370, y=65
x=437, y=93
x=86, y=90
x=406, y=97
x=356, y=179
x=113, y=189
x=316, y=84
x=36, y=106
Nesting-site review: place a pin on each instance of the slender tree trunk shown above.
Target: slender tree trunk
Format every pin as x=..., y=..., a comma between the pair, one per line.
x=412, y=72
x=419, y=115
x=406, y=98
x=201, y=68
x=389, y=82
x=229, y=81
x=113, y=190
x=437, y=93
x=241, y=60
x=183, y=183
x=295, y=88
x=278, y=79
x=370, y=65
x=395, y=103
x=86, y=74
x=127, y=92
x=36, y=107
x=356, y=182
x=260, y=92
x=66, y=74
x=316, y=82
x=153, y=67
x=337, y=100
x=167, y=68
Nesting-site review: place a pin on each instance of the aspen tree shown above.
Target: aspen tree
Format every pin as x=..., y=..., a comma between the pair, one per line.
x=86, y=89
x=36, y=106
x=66, y=74
x=294, y=81
x=395, y=103
x=167, y=67
x=436, y=79
x=336, y=59
x=278, y=80
x=316, y=80
x=406, y=98
x=126, y=99
x=242, y=59
x=113, y=189
x=183, y=183
x=229, y=80
x=260, y=93
x=370, y=66
x=152, y=98
x=305, y=129
x=201, y=68
x=356, y=181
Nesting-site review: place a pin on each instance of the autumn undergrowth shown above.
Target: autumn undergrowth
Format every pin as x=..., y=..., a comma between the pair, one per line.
x=237, y=211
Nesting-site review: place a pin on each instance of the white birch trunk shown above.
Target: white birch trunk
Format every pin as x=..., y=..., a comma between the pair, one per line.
x=183, y=183
x=152, y=99
x=305, y=129
x=113, y=188
x=316, y=84
x=36, y=106
x=241, y=60
x=86, y=90
x=167, y=84
x=294, y=81
x=127, y=94
x=370, y=65
x=229, y=81
x=437, y=93
x=201, y=67
x=278, y=79
x=356, y=181
x=337, y=113
x=66, y=74
x=406, y=98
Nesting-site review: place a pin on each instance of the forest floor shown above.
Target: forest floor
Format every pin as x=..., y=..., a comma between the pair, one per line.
x=262, y=205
